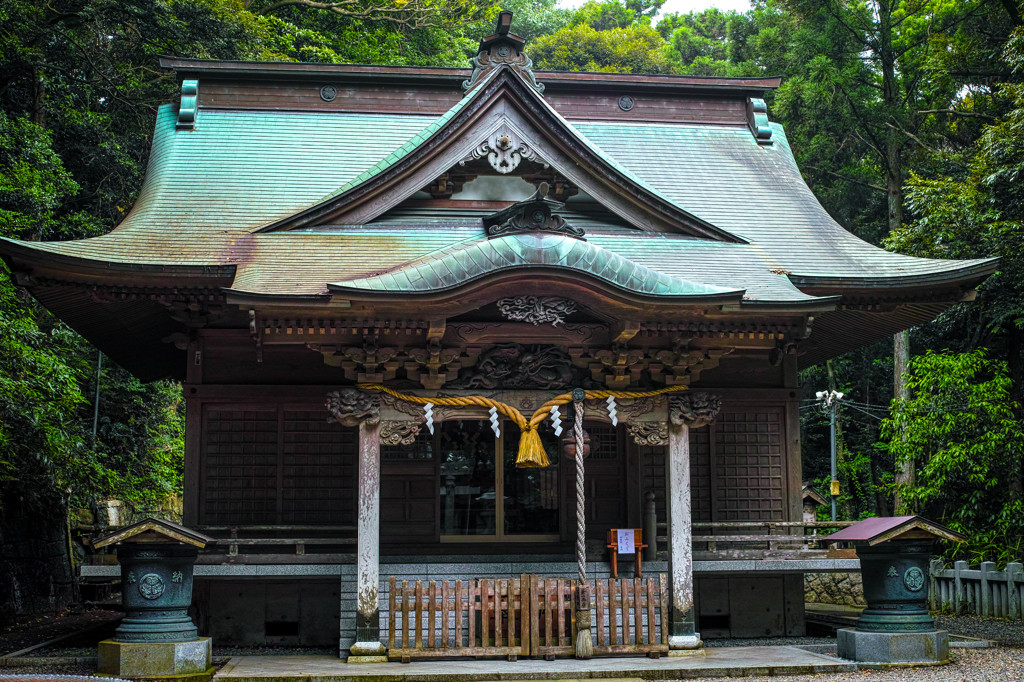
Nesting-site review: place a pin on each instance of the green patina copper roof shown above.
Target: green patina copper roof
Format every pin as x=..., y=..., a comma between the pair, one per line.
x=466, y=262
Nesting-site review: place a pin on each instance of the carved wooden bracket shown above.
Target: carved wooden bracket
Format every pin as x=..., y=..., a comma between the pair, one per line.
x=398, y=433
x=351, y=407
x=367, y=364
x=693, y=409
x=616, y=368
x=682, y=365
x=433, y=366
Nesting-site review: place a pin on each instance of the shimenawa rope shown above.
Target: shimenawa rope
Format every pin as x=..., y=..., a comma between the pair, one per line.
x=531, y=449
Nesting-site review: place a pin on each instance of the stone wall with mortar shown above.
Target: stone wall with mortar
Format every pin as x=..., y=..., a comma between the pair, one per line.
x=845, y=589
x=35, y=574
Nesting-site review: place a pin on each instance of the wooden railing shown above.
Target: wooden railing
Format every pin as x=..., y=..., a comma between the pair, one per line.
x=277, y=539
x=480, y=618
x=525, y=616
x=756, y=539
x=983, y=591
x=631, y=616
x=552, y=623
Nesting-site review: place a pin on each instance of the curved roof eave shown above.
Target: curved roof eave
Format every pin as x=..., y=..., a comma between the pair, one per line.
x=965, y=273
x=26, y=253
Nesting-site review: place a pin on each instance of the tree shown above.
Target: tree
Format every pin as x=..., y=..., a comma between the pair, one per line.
x=615, y=14
x=960, y=429
x=711, y=43
x=635, y=49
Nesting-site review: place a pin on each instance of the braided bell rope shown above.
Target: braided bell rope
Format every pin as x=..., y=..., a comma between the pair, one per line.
x=531, y=450
x=581, y=512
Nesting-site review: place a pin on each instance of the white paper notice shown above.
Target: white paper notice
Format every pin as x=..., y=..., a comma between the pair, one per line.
x=625, y=541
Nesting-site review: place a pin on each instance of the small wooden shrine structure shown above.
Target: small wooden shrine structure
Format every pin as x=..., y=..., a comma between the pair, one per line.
x=314, y=229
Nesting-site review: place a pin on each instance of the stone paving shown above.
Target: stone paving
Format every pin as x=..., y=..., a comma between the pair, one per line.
x=711, y=662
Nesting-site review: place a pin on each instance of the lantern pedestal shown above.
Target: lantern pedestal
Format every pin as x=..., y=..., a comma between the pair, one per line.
x=139, y=661
x=156, y=638
x=896, y=648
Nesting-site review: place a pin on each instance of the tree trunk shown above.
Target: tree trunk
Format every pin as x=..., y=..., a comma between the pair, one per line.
x=901, y=359
x=890, y=96
x=881, y=501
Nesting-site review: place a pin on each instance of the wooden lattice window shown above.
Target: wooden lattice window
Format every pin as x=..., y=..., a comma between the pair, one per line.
x=749, y=450
x=277, y=466
x=240, y=457
x=652, y=463
x=319, y=477
x=700, y=474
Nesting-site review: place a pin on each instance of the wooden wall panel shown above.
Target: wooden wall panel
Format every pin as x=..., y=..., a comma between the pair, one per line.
x=408, y=492
x=240, y=467
x=605, y=477
x=652, y=475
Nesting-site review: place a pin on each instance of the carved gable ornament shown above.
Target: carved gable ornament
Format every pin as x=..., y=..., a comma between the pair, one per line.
x=502, y=48
x=504, y=149
x=535, y=214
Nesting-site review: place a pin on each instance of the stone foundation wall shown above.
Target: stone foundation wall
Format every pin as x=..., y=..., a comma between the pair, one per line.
x=834, y=588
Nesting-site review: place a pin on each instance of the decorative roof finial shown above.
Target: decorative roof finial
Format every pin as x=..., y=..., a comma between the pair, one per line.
x=502, y=47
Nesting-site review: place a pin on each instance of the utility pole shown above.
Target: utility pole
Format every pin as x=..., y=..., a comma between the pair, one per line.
x=830, y=404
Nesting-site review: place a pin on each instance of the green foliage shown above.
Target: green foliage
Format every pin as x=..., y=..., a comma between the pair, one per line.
x=40, y=438
x=634, y=49
x=962, y=431
x=711, y=43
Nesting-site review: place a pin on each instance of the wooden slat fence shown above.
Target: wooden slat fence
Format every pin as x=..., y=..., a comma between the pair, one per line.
x=525, y=616
x=442, y=618
x=552, y=624
x=983, y=591
x=631, y=615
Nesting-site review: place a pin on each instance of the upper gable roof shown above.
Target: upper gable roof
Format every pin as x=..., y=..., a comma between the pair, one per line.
x=502, y=100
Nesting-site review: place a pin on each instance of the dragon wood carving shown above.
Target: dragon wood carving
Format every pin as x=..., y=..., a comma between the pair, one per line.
x=511, y=365
x=536, y=309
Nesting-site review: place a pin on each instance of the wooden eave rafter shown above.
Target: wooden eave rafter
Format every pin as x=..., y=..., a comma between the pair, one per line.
x=504, y=99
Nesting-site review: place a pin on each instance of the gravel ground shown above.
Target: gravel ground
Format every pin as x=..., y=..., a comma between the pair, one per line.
x=970, y=665
x=1007, y=633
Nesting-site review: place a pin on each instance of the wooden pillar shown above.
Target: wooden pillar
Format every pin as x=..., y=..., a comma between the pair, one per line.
x=350, y=407
x=690, y=410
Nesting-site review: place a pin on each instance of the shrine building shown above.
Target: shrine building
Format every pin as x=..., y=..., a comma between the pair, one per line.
x=330, y=256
